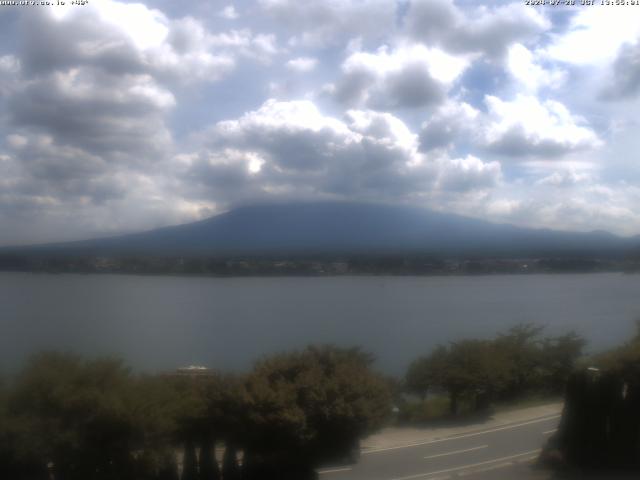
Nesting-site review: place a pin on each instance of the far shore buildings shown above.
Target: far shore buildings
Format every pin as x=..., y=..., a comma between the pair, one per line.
x=193, y=371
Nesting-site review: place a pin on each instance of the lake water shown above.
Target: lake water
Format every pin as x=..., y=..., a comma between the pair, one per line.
x=158, y=323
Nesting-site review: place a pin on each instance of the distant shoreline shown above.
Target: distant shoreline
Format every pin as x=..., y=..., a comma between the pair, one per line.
x=312, y=275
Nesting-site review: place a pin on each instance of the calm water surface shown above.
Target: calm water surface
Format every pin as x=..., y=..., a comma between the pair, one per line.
x=158, y=323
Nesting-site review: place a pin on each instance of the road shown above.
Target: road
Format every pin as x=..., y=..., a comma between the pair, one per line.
x=502, y=452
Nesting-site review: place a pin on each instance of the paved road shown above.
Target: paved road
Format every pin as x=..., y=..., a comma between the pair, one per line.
x=502, y=452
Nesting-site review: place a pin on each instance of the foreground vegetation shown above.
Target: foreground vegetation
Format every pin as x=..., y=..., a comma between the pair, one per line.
x=600, y=426
x=469, y=376
x=69, y=418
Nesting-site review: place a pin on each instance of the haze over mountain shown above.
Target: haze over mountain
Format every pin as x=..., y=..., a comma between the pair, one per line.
x=343, y=228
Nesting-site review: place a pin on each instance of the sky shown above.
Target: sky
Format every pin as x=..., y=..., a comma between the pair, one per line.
x=120, y=116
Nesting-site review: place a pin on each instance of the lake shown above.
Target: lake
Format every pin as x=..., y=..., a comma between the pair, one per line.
x=157, y=323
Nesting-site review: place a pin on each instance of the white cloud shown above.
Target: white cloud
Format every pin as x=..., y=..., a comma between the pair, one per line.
x=243, y=42
x=302, y=64
x=523, y=66
x=526, y=126
x=318, y=23
x=596, y=34
x=229, y=12
x=367, y=155
x=565, y=178
x=469, y=173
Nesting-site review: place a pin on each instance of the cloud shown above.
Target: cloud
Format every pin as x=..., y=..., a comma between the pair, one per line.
x=523, y=65
x=9, y=73
x=229, y=12
x=132, y=38
x=302, y=64
x=584, y=206
x=366, y=155
x=469, y=173
x=261, y=47
x=318, y=23
x=595, y=35
x=526, y=127
x=98, y=112
x=405, y=77
x=448, y=125
x=625, y=79
x=565, y=178
x=459, y=106
x=481, y=29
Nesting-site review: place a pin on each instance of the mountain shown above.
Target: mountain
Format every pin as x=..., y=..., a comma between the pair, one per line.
x=343, y=228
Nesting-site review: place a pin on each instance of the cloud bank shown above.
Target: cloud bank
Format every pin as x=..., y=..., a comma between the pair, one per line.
x=122, y=116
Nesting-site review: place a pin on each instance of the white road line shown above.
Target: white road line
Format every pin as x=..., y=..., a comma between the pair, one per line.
x=466, y=467
x=550, y=431
x=456, y=452
x=458, y=437
x=334, y=470
x=492, y=467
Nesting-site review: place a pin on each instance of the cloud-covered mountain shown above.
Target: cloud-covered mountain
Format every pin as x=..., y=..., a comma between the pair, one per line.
x=345, y=228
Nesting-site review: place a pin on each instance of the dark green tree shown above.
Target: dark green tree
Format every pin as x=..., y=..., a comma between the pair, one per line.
x=308, y=406
x=76, y=415
x=475, y=369
x=427, y=372
x=558, y=358
x=522, y=346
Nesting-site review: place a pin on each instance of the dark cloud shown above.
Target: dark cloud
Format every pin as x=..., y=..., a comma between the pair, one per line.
x=625, y=81
x=488, y=30
x=106, y=115
x=407, y=77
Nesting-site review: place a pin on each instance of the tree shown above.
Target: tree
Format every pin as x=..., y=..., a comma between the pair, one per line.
x=75, y=414
x=475, y=369
x=558, y=358
x=417, y=379
x=427, y=372
x=522, y=347
x=304, y=407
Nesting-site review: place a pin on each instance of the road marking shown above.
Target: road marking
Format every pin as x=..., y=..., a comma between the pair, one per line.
x=492, y=467
x=457, y=451
x=334, y=470
x=466, y=467
x=458, y=437
x=550, y=431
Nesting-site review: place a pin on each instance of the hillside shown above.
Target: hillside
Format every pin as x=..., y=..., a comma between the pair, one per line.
x=343, y=228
